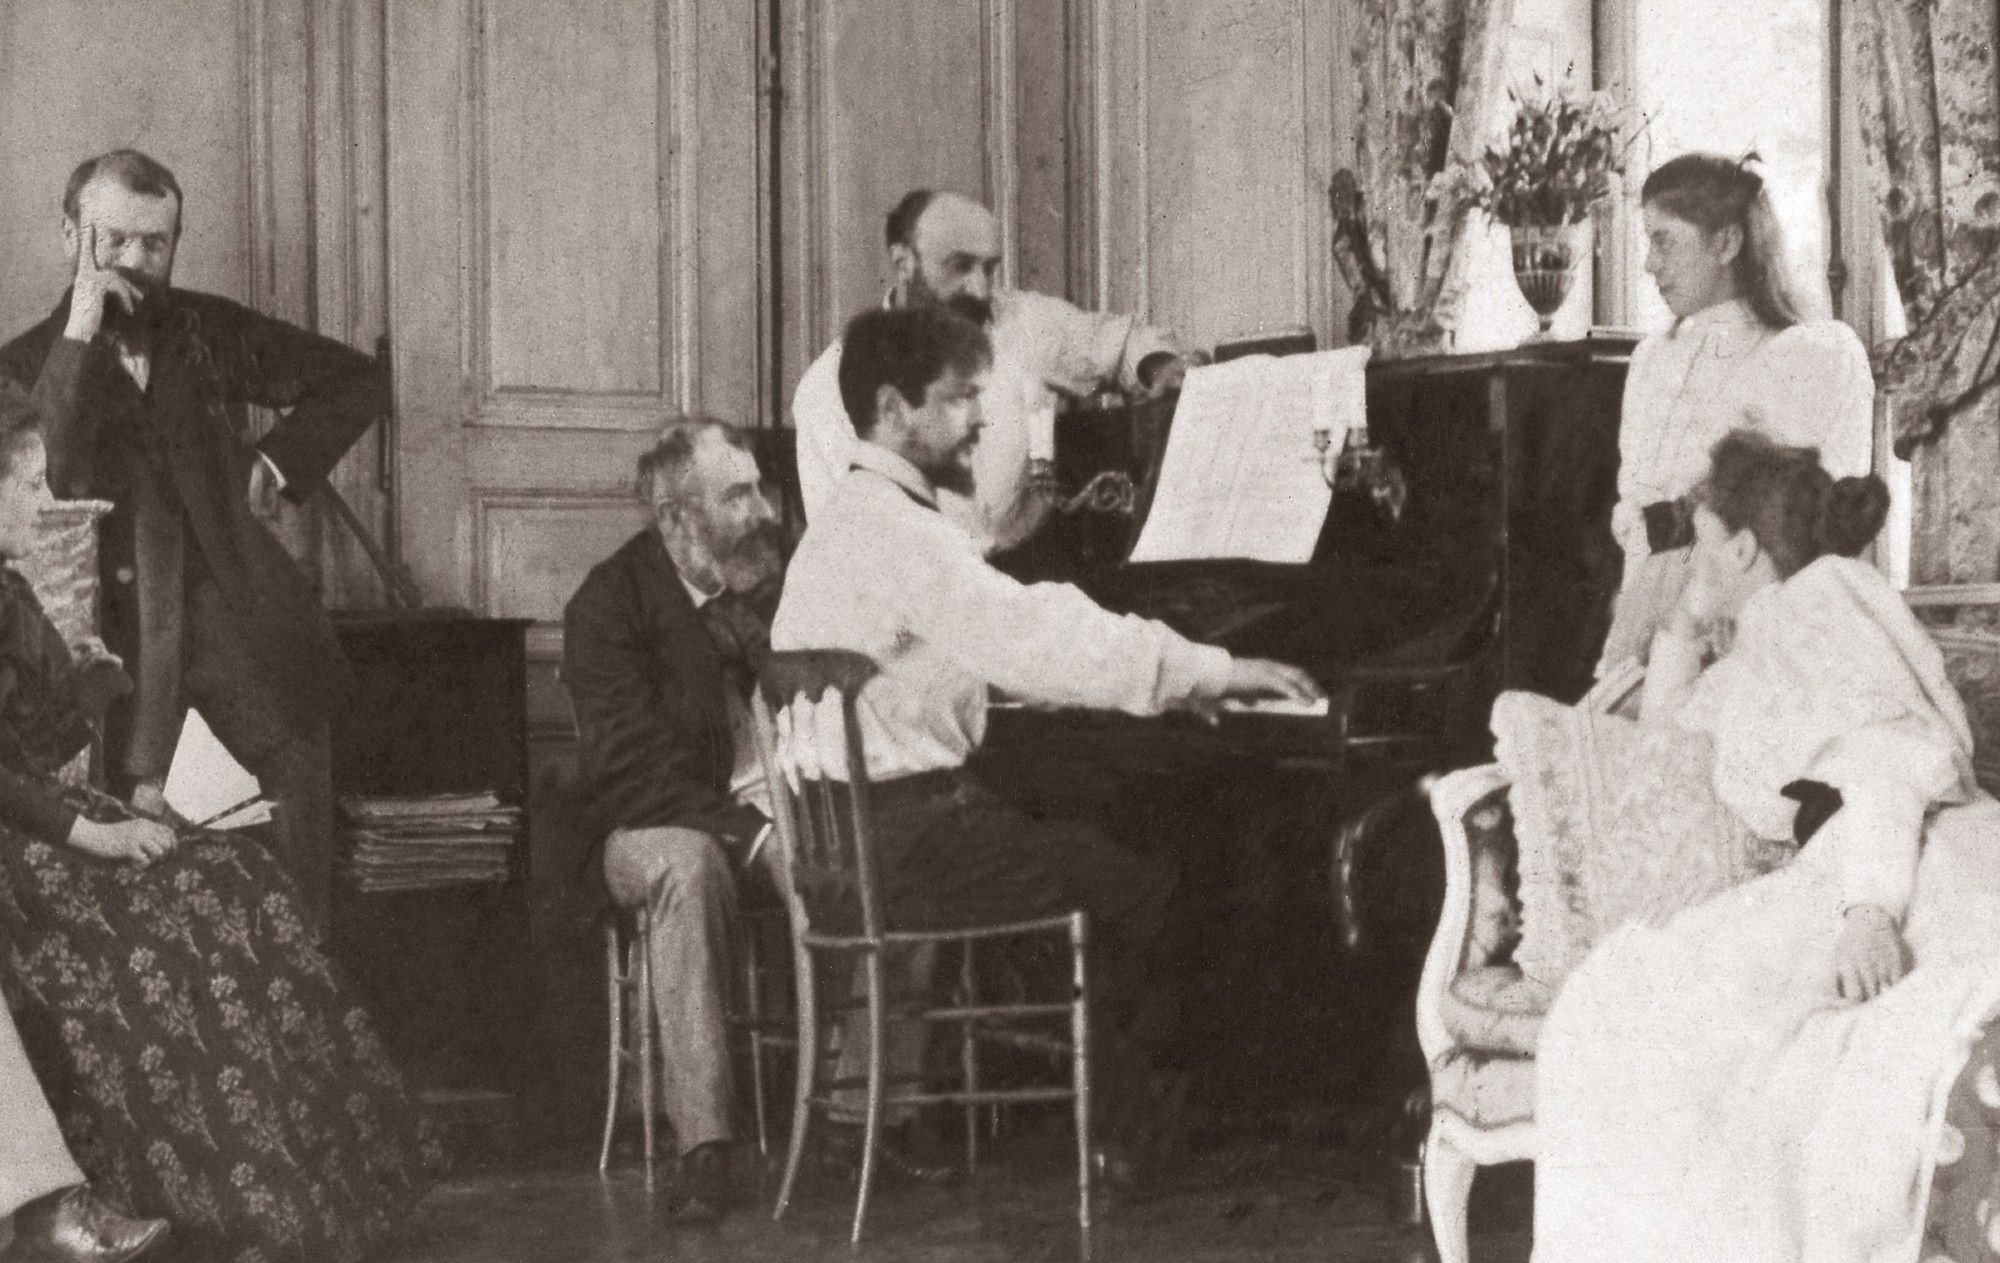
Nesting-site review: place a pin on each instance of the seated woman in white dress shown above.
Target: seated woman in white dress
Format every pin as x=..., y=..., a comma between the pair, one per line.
x=1761, y=1078
x=1739, y=356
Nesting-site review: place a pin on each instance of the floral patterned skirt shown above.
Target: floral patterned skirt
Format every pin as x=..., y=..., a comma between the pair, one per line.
x=206, y=1062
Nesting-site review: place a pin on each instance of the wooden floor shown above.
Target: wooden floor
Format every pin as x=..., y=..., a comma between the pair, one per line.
x=1267, y=1204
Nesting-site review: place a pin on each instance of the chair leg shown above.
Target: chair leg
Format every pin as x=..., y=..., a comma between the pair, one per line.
x=753, y=998
x=614, y=996
x=1448, y=1176
x=968, y=1052
x=871, y=1132
x=642, y=1007
x=806, y=1002
x=1079, y=1022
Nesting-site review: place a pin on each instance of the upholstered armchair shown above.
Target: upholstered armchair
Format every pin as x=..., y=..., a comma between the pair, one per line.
x=1478, y=1018
x=63, y=572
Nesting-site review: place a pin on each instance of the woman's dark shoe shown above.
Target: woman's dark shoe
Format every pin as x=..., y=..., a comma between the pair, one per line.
x=701, y=1195
x=71, y=1225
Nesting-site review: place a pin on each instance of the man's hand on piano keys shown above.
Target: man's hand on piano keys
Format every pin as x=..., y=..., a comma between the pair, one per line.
x=1260, y=680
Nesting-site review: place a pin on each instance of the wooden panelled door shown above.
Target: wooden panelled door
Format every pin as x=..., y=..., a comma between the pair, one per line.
x=574, y=249
x=603, y=210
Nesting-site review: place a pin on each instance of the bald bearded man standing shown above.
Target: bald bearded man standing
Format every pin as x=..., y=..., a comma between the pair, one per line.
x=945, y=251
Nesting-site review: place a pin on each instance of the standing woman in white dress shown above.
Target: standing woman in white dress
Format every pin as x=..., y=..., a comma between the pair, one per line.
x=1740, y=356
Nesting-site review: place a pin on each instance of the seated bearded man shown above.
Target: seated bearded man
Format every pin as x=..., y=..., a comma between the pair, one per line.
x=660, y=647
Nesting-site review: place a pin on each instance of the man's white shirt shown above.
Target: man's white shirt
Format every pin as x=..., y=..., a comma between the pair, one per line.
x=882, y=572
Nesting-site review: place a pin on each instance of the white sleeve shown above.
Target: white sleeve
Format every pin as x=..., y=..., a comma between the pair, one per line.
x=1050, y=644
x=823, y=435
x=1094, y=348
x=1888, y=775
x=1628, y=526
x=1673, y=671
x=1813, y=388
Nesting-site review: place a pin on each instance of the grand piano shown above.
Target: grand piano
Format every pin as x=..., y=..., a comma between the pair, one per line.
x=1300, y=953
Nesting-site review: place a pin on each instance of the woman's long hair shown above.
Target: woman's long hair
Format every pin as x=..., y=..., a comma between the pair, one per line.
x=1712, y=193
x=1783, y=496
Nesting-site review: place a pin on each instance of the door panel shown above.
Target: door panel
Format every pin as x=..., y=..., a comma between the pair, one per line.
x=573, y=254
x=881, y=98
x=1216, y=123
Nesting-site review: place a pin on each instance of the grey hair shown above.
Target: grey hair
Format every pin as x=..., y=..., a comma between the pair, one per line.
x=663, y=467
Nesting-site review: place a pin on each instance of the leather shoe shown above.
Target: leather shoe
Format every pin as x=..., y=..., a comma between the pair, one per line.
x=899, y=1158
x=71, y=1225
x=701, y=1194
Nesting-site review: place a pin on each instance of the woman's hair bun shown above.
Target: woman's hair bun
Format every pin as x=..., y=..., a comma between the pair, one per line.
x=1852, y=514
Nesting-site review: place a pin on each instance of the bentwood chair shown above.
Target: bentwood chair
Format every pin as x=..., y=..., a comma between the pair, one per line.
x=810, y=741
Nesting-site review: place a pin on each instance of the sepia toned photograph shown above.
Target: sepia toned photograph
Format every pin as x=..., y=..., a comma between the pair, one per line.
x=954, y=631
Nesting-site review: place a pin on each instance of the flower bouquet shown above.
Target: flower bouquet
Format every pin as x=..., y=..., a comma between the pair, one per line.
x=1561, y=156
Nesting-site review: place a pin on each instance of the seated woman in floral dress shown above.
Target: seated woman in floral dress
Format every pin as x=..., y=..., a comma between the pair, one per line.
x=206, y=1062
x=1763, y=1076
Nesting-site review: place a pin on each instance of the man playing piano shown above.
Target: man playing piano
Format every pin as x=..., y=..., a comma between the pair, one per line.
x=881, y=571
x=945, y=250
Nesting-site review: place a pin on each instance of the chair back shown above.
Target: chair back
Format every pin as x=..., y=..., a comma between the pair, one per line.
x=810, y=743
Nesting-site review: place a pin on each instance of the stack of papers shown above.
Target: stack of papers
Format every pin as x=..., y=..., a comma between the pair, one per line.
x=415, y=843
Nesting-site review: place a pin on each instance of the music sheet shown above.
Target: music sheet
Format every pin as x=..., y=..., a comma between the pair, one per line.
x=206, y=779
x=1241, y=476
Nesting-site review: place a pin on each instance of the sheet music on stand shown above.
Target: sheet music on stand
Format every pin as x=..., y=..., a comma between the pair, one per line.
x=1241, y=476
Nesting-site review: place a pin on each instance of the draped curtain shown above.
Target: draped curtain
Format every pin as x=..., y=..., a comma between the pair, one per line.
x=1930, y=111
x=1430, y=81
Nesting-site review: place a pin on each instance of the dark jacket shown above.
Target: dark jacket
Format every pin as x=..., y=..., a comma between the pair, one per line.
x=652, y=709
x=212, y=360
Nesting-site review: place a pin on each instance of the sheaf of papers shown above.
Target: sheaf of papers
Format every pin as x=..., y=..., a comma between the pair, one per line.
x=205, y=779
x=1241, y=477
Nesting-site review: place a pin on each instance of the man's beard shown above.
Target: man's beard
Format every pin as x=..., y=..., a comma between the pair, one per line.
x=744, y=563
x=951, y=473
x=147, y=313
x=974, y=308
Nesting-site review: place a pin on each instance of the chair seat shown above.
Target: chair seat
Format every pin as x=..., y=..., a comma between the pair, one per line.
x=1484, y=1090
x=1494, y=1009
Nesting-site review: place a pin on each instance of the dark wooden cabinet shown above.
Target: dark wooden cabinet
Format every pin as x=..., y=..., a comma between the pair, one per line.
x=449, y=972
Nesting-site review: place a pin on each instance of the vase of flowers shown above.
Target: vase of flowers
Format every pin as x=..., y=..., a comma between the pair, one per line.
x=1559, y=160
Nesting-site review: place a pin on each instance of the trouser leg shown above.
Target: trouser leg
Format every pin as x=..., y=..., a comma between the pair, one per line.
x=909, y=972
x=683, y=877
x=33, y=1158
x=293, y=763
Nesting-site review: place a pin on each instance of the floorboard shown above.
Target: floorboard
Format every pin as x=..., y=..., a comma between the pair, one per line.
x=1266, y=1204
